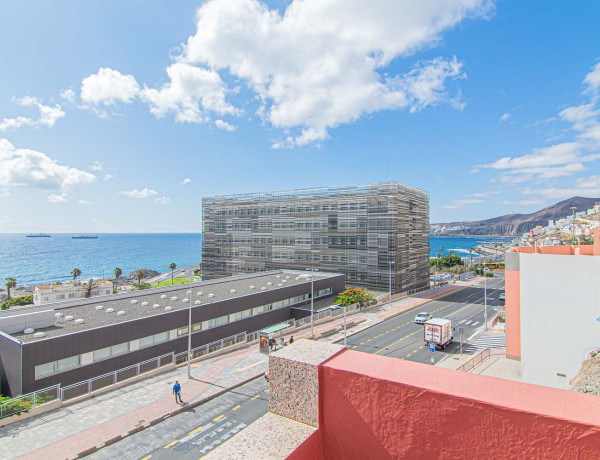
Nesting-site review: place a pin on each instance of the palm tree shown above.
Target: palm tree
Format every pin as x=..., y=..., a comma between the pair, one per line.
x=139, y=275
x=437, y=256
x=10, y=283
x=118, y=273
x=172, y=266
x=75, y=272
x=471, y=253
x=88, y=287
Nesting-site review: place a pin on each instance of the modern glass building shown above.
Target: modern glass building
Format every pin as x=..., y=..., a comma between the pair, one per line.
x=377, y=235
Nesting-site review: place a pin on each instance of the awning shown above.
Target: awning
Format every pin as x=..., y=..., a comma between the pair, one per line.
x=274, y=329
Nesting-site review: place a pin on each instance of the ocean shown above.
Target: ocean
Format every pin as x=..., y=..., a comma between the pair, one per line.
x=44, y=260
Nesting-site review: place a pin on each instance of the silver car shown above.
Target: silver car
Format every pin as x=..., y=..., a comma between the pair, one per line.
x=422, y=317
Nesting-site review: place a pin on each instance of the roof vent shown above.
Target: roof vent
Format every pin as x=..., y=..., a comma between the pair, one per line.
x=134, y=301
x=233, y=291
x=29, y=330
x=263, y=288
x=269, y=284
x=278, y=276
x=185, y=300
x=120, y=313
x=144, y=304
x=79, y=321
x=283, y=281
x=168, y=309
x=252, y=286
x=39, y=335
x=279, y=285
x=198, y=302
x=287, y=277
x=211, y=295
x=58, y=315
x=199, y=293
x=110, y=310
x=68, y=318
x=156, y=305
x=173, y=298
x=100, y=307
x=164, y=296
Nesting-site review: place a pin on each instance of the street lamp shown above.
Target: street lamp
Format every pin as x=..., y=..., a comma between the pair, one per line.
x=339, y=306
x=573, y=209
x=312, y=299
x=485, y=295
x=189, y=351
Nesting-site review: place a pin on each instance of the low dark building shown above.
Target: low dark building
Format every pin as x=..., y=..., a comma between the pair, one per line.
x=69, y=342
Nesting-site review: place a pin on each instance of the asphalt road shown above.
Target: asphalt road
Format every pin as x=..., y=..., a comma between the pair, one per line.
x=194, y=433
x=400, y=337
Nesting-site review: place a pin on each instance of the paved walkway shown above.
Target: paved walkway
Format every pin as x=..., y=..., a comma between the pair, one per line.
x=77, y=427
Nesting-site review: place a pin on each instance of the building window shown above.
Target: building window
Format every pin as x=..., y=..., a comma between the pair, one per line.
x=56, y=366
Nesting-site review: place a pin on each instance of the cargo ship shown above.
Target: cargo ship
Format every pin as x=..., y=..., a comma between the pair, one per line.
x=38, y=235
x=85, y=237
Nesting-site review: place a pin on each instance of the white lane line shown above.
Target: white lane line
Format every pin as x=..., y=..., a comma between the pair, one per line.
x=468, y=322
x=474, y=324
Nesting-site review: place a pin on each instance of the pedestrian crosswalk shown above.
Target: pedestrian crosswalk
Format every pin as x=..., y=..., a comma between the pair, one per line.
x=486, y=341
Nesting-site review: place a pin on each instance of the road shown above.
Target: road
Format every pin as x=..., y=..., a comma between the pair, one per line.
x=400, y=337
x=194, y=433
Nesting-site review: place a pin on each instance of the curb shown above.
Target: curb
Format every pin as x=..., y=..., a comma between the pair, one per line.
x=385, y=318
x=135, y=430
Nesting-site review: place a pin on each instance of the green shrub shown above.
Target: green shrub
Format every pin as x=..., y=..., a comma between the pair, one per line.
x=17, y=302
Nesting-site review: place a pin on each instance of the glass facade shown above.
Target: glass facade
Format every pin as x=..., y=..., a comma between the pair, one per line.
x=377, y=235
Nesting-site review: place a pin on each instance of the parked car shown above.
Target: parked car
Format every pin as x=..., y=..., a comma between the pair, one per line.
x=502, y=297
x=422, y=317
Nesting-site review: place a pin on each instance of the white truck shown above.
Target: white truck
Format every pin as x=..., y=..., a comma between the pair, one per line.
x=438, y=331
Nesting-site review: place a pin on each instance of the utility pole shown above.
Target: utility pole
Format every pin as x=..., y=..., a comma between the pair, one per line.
x=485, y=294
x=573, y=208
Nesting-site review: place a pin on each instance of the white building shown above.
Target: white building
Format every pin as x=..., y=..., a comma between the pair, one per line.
x=68, y=291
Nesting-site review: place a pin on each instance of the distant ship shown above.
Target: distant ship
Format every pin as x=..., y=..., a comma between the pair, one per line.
x=85, y=237
x=38, y=235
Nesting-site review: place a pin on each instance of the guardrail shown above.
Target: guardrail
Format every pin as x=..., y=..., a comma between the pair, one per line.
x=475, y=360
x=113, y=378
x=28, y=401
x=217, y=345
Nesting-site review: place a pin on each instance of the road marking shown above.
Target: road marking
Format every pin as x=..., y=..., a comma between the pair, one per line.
x=475, y=323
x=216, y=419
x=362, y=343
x=257, y=396
x=236, y=407
x=248, y=367
x=147, y=457
x=171, y=444
x=414, y=351
x=369, y=340
x=195, y=431
x=409, y=355
x=468, y=322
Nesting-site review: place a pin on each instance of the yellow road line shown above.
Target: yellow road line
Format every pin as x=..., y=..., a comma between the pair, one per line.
x=171, y=444
x=236, y=407
x=254, y=397
x=409, y=355
x=147, y=457
x=216, y=419
x=414, y=351
x=248, y=367
x=195, y=431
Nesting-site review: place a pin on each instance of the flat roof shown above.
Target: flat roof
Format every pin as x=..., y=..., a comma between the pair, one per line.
x=222, y=289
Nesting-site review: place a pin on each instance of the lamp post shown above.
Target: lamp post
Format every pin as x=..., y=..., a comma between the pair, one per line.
x=485, y=303
x=573, y=209
x=335, y=307
x=312, y=299
x=189, y=351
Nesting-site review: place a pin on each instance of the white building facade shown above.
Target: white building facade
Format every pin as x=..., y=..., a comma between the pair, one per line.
x=69, y=290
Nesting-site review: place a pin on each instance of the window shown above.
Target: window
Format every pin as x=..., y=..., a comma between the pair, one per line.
x=119, y=349
x=45, y=369
x=60, y=296
x=161, y=337
x=182, y=331
x=68, y=363
x=101, y=354
x=56, y=366
x=146, y=341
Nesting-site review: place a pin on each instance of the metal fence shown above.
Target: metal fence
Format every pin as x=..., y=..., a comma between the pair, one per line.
x=26, y=402
x=115, y=377
x=475, y=360
x=217, y=345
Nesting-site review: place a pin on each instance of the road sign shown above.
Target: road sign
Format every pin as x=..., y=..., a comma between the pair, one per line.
x=432, y=347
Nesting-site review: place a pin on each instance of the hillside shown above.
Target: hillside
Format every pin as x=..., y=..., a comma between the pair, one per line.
x=515, y=224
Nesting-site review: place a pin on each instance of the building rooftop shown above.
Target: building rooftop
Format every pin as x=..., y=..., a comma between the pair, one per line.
x=153, y=302
x=360, y=189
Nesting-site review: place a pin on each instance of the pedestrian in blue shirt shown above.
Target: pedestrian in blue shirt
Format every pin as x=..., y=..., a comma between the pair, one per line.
x=177, y=391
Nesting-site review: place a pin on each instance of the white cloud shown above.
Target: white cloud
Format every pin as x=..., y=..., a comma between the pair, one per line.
x=532, y=202
x=107, y=87
x=592, y=79
x=83, y=202
x=24, y=167
x=314, y=66
x=96, y=166
x=191, y=92
x=68, y=95
x=224, y=125
x=48, y=115
x=4, y=193
x=485, y=194
x=186, y=181
x=57, y=198
x=139, y=194
x=162, y=200
x=458, y=204
x=505, y=116
x=108, y=177
x=583, y=186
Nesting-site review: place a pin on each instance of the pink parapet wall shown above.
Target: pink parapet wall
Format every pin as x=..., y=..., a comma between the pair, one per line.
x=512, y=313
x=374, y=407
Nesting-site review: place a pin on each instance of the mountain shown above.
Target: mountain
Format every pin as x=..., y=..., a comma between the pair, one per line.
x=515, y=224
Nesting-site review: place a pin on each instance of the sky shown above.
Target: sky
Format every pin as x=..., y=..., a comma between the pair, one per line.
x=120, y=116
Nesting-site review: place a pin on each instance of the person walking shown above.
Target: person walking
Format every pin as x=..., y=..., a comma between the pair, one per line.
x=291, y=340
x=282, y=342
x=177, y=391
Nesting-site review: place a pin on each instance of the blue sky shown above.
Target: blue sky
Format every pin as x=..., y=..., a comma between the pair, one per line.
x=120, y=116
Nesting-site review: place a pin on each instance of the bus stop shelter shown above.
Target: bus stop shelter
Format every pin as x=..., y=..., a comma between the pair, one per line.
x=267, y=334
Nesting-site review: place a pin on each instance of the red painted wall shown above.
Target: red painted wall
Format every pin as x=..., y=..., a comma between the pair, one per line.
x=373, y=407
x=310, y=449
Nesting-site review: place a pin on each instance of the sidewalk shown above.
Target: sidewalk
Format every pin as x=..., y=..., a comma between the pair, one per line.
x=83, y=426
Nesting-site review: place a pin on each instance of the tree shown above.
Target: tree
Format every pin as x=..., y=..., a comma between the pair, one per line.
x=471, y=253
x=75, y=272
x=451, y=260
x=139, y=275
x=354, y=295
x=172, y=266
x=118, y=273
x=10, y=283
x=89, y=286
